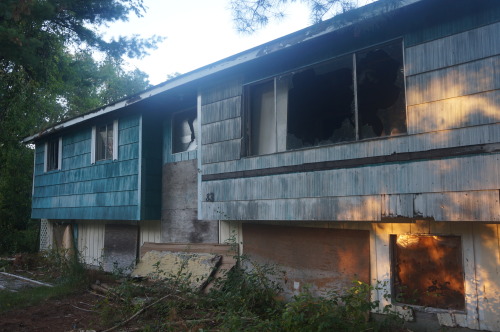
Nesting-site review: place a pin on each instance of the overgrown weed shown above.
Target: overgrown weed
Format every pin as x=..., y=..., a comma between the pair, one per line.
x=63, y=271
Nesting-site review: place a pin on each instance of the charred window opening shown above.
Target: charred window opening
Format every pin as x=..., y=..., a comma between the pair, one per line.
x=428, y=271
x=380, y=92
x=352, y=97
x=321, y=105
x=184, y=131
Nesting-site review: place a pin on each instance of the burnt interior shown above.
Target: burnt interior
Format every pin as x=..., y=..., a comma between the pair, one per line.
x=321, y=99
x=183, y=131
x=428, y=271
x=321, y=105
x=380, y=90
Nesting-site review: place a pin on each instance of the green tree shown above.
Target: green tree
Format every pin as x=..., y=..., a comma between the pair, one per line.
x=47, y=74
x=251, y=15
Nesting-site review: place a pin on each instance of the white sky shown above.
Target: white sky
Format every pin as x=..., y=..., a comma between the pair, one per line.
x=198, y=32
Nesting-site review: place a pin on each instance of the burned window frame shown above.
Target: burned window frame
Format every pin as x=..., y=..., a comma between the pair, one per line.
x=53, y=155
x=439, y=294
x=282, y=103
x=193, y=127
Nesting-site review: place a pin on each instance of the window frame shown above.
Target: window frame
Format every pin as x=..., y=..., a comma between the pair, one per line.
x=47, y=157
x=172, y=129
x=287, y=76
x=94, y=141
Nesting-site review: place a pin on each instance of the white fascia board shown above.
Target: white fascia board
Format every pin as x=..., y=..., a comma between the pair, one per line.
x=333, y=24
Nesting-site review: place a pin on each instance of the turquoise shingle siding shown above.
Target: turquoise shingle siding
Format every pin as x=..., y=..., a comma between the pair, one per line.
x=106, y=190
x=151, y=167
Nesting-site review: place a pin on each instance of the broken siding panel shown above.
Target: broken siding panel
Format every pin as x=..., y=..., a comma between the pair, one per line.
x=453, y=50
x=221, y=110
x=466, y=79
x=223, y=151
x=221, y=131
x=459, y=206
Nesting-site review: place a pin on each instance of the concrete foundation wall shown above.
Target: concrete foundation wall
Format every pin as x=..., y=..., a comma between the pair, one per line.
x=180, y=206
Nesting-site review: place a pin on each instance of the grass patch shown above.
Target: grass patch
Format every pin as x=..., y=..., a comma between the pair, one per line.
x=67, y=275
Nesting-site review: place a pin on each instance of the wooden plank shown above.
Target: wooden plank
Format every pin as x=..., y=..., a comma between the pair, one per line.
x=466, y=79
x=221, y=110
x=456, y=49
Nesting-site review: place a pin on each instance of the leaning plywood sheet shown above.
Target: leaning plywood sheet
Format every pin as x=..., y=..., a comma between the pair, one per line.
x=226, y=251
x=194, y=268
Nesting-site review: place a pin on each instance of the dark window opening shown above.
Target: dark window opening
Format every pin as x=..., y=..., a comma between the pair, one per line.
x=380, y=92
x=428, y=271
x=184, y=131
x=104, y=142
x=321, y=105
x=53, y=155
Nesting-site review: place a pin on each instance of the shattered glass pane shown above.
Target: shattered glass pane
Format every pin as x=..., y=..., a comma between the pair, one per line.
x=380, y=91
x=321, y=105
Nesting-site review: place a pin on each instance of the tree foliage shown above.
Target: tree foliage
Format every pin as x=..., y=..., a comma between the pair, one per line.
x=47, y=74
x=251, y=15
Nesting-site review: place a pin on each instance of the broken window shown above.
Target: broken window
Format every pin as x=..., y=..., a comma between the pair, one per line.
x=428, y=271
x=184, y=131
x=380, y=92
x=356, y=96
x=321, y=105
x=53, y=154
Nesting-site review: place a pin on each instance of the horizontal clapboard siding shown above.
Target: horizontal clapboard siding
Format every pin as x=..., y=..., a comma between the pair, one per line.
x=445, y=206
x=81, y=190
x=478, y=172
x=221, y=122
x=456, y=49
x=461, y=80
x=221, y=110
x=221, y=131
x=379, y=147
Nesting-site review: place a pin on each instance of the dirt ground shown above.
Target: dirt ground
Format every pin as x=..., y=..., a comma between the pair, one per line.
x=73, y=313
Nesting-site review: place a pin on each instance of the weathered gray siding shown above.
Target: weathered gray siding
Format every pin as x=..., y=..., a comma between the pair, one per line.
x=453, y=98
